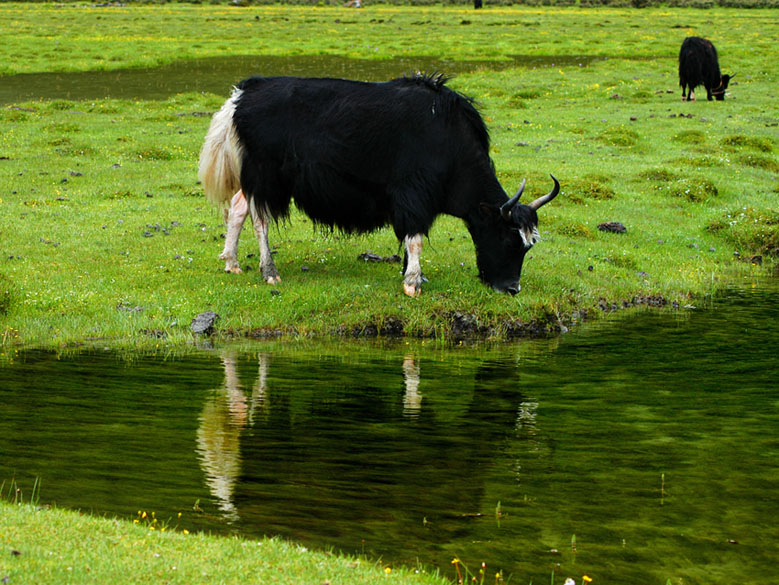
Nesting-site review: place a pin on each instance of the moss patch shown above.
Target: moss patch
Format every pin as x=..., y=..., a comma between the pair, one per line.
x=690, y=137
x=618, y=136
x=757, y=161
x=739, y=141
x=695, y=190
x=658, y=174
x=752, y=231
x=591, y=187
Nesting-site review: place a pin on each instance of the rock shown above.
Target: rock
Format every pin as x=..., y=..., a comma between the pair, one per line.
x=371, y=257
x=204, y=323
x=612, y=226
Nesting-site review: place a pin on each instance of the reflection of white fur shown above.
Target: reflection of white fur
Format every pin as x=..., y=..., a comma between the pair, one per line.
x=259, y=402
x=412, y=399
x=219, y=432
x=220, y=458
x=218, y=439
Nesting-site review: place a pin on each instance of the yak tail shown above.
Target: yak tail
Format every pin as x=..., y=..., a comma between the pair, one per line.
x=220, y=158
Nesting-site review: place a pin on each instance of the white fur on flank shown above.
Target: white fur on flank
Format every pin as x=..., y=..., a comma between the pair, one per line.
x=220, y=157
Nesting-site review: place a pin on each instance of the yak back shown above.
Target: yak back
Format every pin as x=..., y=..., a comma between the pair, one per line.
x=698, y=63
x=358, y=155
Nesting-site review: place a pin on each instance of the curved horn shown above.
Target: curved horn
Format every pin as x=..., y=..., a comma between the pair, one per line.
x=544, y=199
x=505, y=209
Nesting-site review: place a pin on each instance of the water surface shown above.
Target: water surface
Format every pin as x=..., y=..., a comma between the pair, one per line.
x=634, y=452
x=217, y=75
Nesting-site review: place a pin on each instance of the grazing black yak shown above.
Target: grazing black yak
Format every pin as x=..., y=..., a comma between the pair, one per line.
x=359, y=156
x=698, y=65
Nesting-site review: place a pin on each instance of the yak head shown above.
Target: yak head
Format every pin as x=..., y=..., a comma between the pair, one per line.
x=719, y=93
x=504, y=236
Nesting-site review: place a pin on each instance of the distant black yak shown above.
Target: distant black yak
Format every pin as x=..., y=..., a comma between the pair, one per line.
x=698, y=65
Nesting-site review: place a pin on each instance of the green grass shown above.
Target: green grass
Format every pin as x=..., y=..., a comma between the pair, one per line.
x=52, y=546
x=106, y=233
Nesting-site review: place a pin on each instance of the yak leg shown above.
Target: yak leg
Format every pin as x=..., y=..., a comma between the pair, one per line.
x=268, y=268
x=235, y=216
x=412, y=281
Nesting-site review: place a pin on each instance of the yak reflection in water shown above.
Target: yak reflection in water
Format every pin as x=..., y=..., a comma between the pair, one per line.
x=358, y=454
x=230, y=410
x=224, y=416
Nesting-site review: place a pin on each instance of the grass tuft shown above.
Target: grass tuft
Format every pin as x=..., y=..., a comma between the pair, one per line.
x=740, y=141
x=752, y=231
x=757, y=161
x=6, y=294
x=658, y=174
x=690, y=137
x=587, y=188
x=619, y=136
x=694, y=190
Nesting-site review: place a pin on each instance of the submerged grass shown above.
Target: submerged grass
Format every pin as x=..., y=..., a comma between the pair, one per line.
x=51, y=546
x=106, y=233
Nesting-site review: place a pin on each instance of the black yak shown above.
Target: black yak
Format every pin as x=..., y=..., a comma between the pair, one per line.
x=358, y=156
x=698, y=65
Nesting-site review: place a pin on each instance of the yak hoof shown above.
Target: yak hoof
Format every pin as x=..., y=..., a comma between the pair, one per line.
x=412, y=290
x=234, y=269
x=271, y=275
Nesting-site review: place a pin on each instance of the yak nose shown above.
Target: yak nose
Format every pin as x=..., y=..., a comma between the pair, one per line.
x=512, y=290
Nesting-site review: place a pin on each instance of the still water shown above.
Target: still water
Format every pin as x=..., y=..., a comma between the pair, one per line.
x=634, y=451
x=218, y=74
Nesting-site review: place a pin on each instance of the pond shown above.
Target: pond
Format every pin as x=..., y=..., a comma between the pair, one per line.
x=637, y=450
x=218, y=74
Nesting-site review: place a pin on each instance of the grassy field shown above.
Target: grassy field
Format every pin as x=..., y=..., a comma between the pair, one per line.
x=106, y=234
x=50, y=546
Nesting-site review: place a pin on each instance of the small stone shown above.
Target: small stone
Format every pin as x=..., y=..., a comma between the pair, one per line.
x=204, y=323
x=612, y=226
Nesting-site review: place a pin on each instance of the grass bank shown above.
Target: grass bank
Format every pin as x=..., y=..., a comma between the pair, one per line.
x=105, y=232
x=51, y=546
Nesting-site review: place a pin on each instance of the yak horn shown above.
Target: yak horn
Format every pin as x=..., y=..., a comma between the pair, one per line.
x=543, y=200
x=505, y=209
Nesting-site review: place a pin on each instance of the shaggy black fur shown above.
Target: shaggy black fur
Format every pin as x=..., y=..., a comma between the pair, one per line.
x=698, y=65
x=358, y=156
